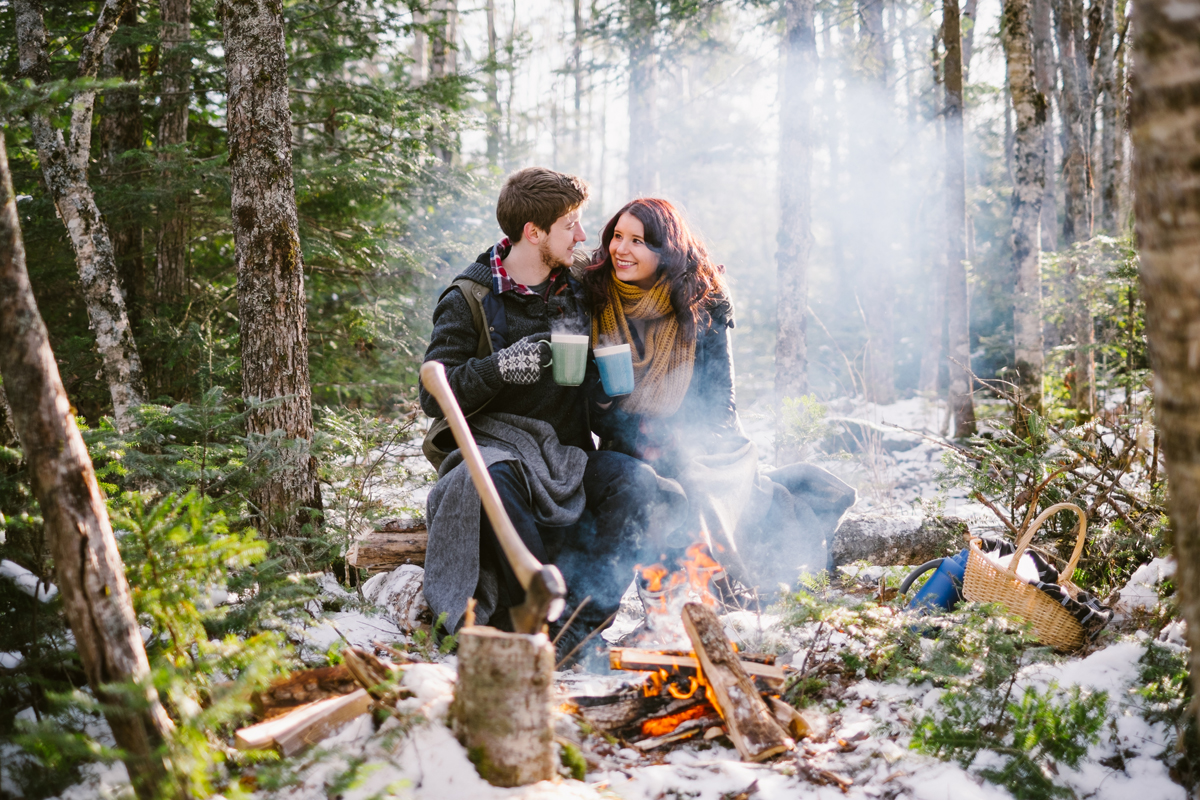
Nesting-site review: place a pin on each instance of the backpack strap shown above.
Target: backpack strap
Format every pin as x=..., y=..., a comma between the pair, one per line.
x=439, y=441
x=476, y=294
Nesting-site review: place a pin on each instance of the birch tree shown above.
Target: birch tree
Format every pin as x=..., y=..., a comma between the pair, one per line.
x=962, y=406
x=1106, y=84
x=170, y=273
x=1044, y=71
x=88, y=567
x=1165, y=113
x=1029, y=173
x=270, y=269
x=64, y=161
x=795, y=206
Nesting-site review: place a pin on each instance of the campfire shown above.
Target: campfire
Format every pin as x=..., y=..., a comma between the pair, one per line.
x=695, y=682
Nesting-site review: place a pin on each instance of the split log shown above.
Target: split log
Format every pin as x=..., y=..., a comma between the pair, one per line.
x=752, y=727
x=799, y=724
x=394, y=543
x=635, y=659
x=890, y=539
x=304, y=726
x=375, y=675
x=502, y=705
x=301, y=689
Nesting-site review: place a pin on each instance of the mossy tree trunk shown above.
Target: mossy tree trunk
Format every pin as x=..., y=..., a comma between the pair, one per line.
x=88, y=567
x=1165, y=113
x=270, y=269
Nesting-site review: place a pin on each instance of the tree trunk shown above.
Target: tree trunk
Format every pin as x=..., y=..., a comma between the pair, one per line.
x=875, y=235
x=270, y=268
x=643, y=99
x=1029, y=175
x=1044, y=73
x=444, y=45
x=120, y=132
x=795, y=209
x=967, y=29
x=492, y=88
x=443, y=63
x=503, y=705
x=1106, y=83
x=170, y=273
x=64, y=168
x=1075, y=105
x=420, y=47
x=88, y=567
x=962, y=406
x=1163, y=112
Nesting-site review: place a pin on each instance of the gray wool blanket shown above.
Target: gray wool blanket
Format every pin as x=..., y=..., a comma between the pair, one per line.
x=554, y=478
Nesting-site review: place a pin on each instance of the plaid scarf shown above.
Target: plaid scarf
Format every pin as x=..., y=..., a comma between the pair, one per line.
x=501, y=282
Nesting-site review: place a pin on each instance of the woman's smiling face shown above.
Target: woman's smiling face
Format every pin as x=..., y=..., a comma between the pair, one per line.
x=632, y=258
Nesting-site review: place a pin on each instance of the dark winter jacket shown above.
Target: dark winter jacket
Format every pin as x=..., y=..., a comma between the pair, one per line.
x=707, y=420
x=476, y=381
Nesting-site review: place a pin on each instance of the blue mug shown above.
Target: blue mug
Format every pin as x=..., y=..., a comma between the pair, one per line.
x=616, y=369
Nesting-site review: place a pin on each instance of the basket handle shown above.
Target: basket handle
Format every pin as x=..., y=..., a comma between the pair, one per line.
x=1027, y=537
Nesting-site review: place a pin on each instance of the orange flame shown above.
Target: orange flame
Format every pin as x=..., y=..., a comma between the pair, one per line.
x=661, y=726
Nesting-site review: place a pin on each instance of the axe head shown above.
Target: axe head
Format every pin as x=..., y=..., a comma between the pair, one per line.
x=545, y=597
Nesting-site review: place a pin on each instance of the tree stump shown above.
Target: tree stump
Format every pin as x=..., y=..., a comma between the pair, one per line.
x=503, y=704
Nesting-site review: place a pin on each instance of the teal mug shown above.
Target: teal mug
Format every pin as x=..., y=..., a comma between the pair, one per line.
x=616, y=369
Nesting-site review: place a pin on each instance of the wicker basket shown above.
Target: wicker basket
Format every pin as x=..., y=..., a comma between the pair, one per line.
x=987, y=582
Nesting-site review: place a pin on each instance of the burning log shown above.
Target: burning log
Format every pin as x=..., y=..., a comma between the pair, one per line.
x=674, y=663
x=394, y=543
x=752, y=727
x=304, y=726
x=502, y=704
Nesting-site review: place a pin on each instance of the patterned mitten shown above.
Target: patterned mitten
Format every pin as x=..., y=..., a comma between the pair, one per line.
x=521, y=362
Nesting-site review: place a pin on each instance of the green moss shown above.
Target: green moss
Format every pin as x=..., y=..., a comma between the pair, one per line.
x=572, y=759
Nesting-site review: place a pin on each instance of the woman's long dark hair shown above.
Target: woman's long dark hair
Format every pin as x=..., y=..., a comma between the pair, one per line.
x=696, y=282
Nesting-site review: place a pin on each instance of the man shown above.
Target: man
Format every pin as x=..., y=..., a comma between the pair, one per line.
x=579, y=508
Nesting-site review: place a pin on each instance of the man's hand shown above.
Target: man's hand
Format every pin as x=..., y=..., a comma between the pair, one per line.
x=521, y=362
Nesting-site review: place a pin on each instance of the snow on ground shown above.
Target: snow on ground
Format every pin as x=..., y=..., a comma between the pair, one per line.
x=415, y=755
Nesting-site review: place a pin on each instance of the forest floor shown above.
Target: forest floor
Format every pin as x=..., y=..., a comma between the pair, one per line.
x=871, y=722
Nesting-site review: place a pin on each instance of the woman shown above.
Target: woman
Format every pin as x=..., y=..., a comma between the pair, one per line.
x=652, y=284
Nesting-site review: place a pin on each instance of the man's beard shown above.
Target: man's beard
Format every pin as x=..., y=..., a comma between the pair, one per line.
x=549, y=260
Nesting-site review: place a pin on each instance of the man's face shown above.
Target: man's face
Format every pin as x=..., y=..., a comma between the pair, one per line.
x=557, y=247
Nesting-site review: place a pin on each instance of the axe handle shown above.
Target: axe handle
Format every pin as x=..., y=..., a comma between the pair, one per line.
x=523, y=562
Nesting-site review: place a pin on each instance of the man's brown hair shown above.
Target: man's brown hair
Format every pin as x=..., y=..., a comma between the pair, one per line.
x=537, y=195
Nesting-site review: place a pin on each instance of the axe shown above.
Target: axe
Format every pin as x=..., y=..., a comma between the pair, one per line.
x=544, y=587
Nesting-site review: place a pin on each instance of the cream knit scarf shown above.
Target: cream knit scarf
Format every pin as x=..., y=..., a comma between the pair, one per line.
x=663, y=374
